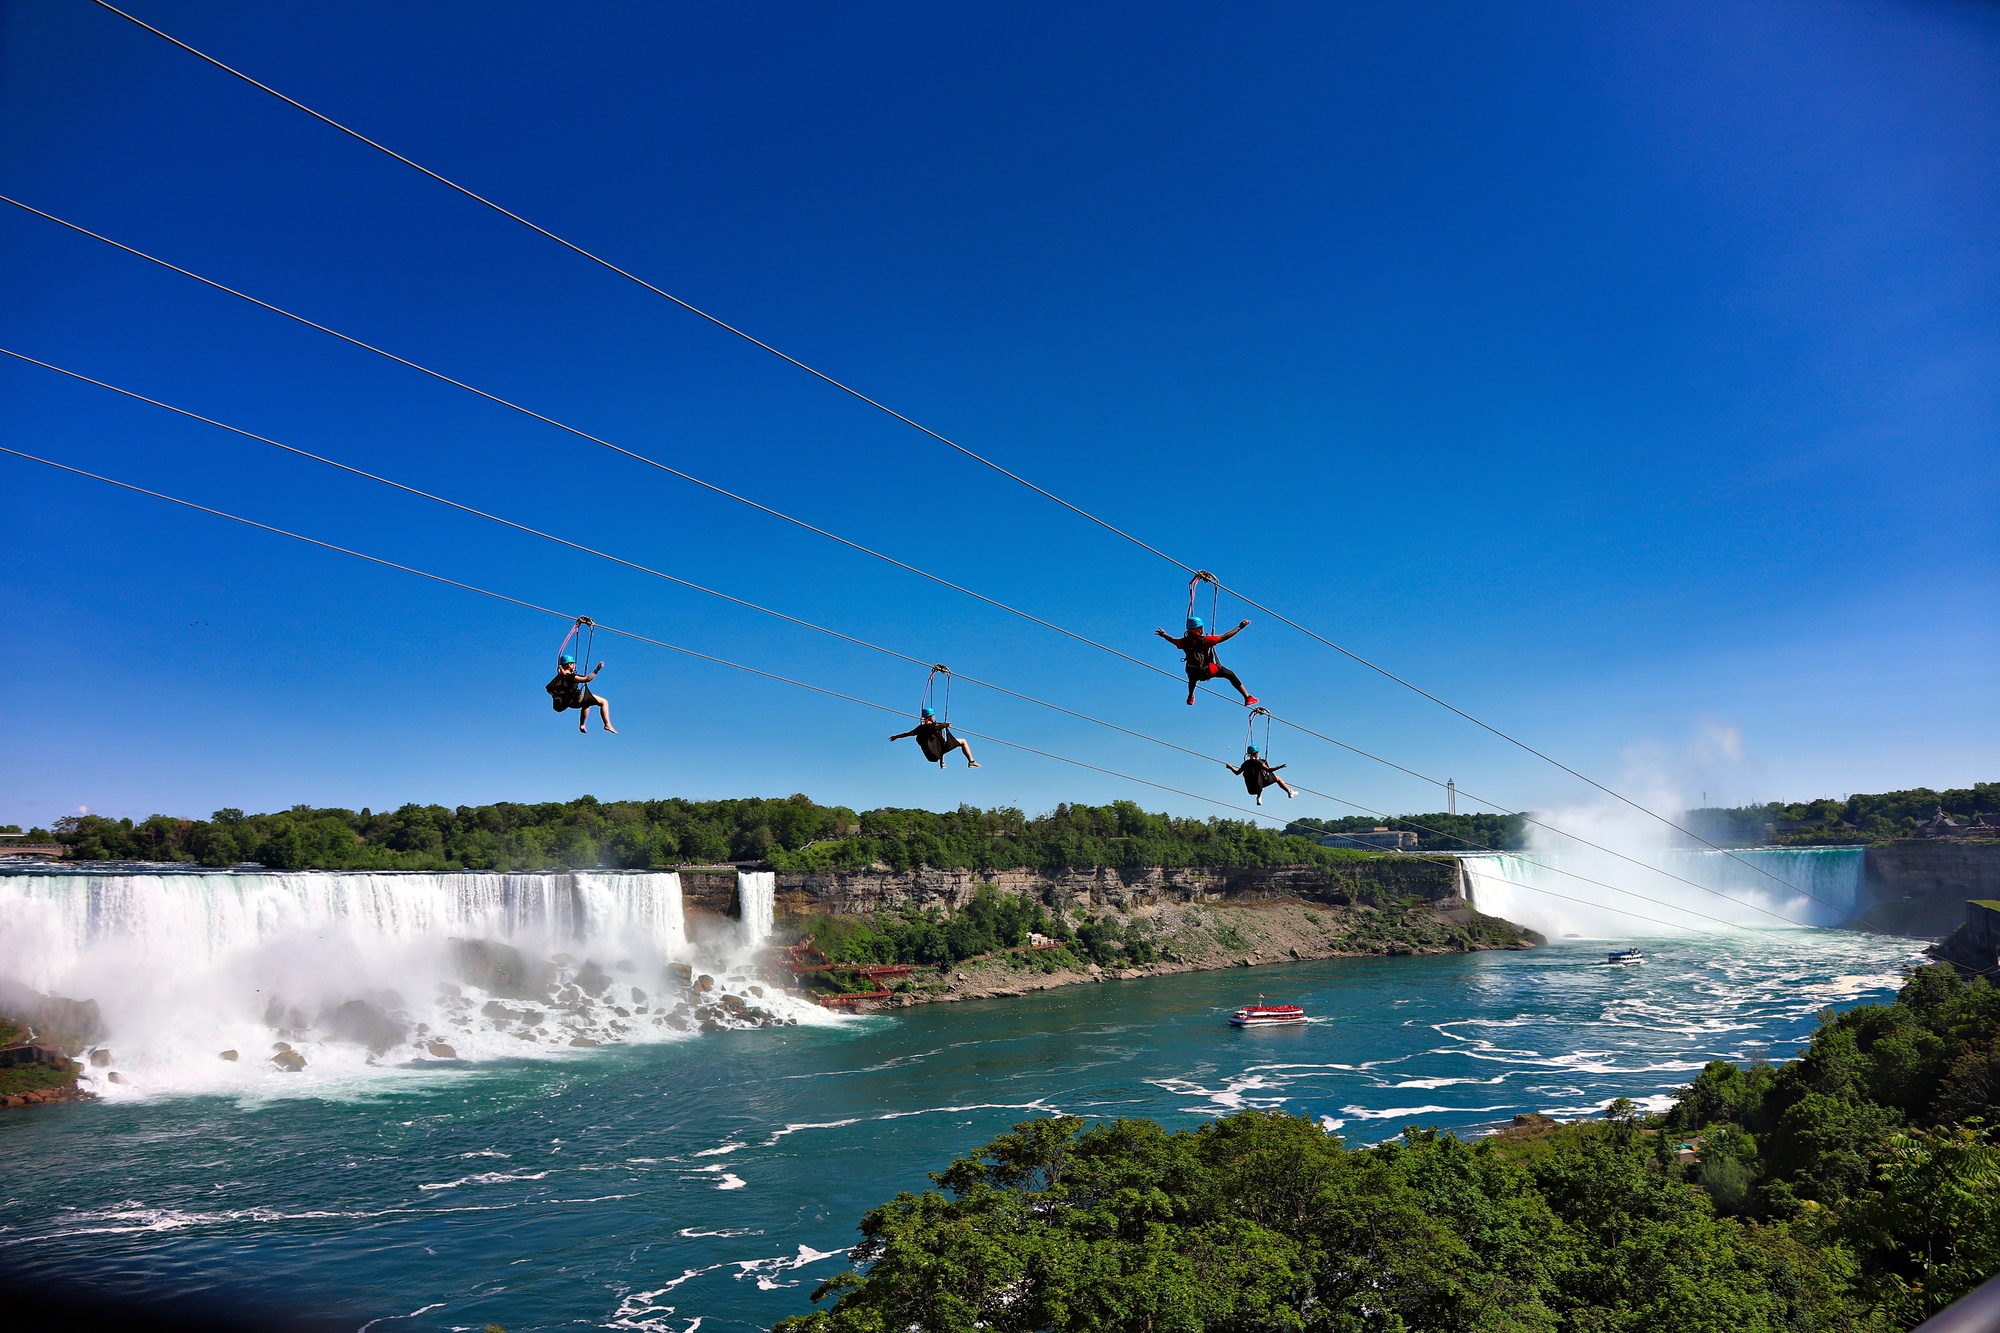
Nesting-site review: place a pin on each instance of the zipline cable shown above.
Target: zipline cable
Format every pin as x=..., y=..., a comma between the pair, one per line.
x=586, y=435
x=863, y=643
x=771, y=675
x=879, y=406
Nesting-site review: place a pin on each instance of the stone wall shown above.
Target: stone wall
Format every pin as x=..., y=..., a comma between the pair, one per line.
x=1921, y=886
x=712, y=892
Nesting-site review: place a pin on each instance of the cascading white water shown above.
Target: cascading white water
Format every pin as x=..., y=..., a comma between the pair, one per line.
x=1771, y=886
x=353, y=971
x=756, y=902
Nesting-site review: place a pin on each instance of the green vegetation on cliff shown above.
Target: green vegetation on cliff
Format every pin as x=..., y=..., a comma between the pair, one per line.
x=1861, y=818
x=789, y=834
x=1855, y=1189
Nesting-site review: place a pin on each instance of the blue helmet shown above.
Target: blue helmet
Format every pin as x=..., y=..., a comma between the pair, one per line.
x=565, y=660
x=1253, y=749
x=930, y=712
x=1194, y=623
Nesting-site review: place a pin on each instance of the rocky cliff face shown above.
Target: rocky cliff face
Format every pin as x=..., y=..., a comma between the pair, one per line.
x=799, y=896
x=1921, y=887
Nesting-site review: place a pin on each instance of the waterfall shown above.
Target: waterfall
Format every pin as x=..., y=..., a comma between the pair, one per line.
x=356, y=971
x=1806, y=886
x=756, y=899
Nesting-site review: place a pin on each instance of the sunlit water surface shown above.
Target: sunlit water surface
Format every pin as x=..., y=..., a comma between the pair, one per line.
x=714, y=1182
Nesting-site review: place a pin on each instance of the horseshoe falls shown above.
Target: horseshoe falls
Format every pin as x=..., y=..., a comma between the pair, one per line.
x=1582, y=892
x=206, y=981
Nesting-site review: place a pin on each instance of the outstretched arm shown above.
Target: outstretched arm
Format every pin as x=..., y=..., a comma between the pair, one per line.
x=901, y=734
x=1168, y=637
x=1233, y=633
x=593, y=675
x=1234, y=769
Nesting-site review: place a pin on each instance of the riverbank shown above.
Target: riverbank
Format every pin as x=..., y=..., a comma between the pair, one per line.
x=1208, y=937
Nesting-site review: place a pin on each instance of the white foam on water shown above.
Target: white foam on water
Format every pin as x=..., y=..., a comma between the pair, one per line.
x=358, y=974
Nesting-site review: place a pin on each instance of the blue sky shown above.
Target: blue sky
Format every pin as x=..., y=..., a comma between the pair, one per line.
x=1629, y=376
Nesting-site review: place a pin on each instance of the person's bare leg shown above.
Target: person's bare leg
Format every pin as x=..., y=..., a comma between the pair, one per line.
x=604, y=714
x=970, y=762
x=1282, y=783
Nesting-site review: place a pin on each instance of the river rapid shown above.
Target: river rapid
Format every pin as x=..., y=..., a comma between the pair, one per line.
x=712, y=1181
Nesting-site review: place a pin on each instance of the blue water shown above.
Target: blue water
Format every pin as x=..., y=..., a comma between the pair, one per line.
x=714, y=1182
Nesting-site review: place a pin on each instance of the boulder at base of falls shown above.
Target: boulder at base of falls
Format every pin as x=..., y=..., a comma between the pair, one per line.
x=442, y=1050
x=116, y=1077
x=585, y=1041
x=735, y=1005
x=683, y=972
x=100, y=1057
x=593, y=980
x=362, y=1023
x=230, y=1055
x=500, y=969
x=704, y=983
x=288, y=1060
x=68, y=1025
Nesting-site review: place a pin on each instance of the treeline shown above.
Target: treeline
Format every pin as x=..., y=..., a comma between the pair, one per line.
x=793, y=833
x=1435, y=833
x=1861, y=818
x=1856, y=1189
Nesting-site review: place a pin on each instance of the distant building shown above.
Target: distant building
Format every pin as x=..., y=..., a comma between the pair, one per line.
x=1940, y=825
x=1377, y=839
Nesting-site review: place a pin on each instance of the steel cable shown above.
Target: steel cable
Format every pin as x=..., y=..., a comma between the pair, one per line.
x=859, y=642
x=879, y=406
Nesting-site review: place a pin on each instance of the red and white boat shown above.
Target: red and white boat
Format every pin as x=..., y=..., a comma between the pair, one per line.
x=1262, y=1015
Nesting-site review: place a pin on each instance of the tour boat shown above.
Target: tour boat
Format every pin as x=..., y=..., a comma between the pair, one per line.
x=1626, y=956
x=1264, y=1015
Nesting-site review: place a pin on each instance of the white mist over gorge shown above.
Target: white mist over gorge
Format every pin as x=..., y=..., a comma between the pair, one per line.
x=1664, y=886
x=319, y=979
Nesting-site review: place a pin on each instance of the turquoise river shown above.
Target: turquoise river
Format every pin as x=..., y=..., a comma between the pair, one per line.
x=712, y=1182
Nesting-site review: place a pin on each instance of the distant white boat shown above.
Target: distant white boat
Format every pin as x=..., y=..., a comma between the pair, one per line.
x=1626, y=956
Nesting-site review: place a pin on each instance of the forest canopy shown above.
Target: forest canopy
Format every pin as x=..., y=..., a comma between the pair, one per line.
x=1857, y=1188
x=792, y=833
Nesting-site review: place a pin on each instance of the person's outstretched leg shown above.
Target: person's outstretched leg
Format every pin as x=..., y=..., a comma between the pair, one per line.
x=1230, y=676
x=1192, y=682
x=1287, y=786
x=970, y=762
x=603, y=713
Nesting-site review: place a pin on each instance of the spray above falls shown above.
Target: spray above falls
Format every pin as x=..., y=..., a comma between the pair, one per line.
x=263, y=982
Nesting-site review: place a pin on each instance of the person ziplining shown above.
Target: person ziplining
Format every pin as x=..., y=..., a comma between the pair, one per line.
x=1198, y=645
x=1258, y=774
x=571, y=688
x=1257, y=771
x=934, y=738
x=933, y=733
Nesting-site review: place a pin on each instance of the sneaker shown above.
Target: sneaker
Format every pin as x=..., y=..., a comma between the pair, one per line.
x=1249, y=701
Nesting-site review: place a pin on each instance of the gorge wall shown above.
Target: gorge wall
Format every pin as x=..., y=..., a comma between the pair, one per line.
x=1920, y=887
x=712, y=892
